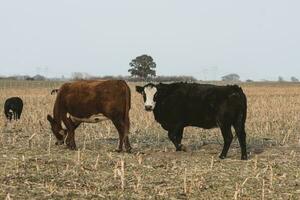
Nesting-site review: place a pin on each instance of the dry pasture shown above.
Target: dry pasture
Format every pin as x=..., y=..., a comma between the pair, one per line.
x=32, y=167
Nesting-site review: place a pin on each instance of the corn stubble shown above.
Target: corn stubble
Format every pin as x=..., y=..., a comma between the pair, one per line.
x=32, y=167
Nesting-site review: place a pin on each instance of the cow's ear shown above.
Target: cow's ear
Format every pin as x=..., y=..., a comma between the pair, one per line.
x=159, y=85
x=50, y=119
x=139, y=89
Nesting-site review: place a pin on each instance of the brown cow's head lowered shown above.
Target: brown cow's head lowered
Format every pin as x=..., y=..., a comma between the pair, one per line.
x=57, y=130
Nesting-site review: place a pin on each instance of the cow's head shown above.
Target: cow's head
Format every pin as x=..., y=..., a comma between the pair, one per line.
x=9, y=114
x=57, y=130
x=149, y=93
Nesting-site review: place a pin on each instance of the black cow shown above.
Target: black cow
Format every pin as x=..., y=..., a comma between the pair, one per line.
x=54, y=91
x=178, y=105
x=13, y=108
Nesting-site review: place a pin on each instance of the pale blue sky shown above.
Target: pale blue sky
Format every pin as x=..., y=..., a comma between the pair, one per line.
x=258, y=39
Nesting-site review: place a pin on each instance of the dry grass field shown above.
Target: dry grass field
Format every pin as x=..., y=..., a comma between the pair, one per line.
x=33, y=167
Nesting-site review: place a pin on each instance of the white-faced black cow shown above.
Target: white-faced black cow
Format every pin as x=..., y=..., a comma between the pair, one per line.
x=178, y=105
x=91, y=102
x=13, y=108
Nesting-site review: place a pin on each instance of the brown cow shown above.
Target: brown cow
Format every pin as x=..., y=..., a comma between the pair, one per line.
x=91, y=102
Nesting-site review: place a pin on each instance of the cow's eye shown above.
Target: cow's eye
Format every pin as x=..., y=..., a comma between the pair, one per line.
x=155, y=96
x=144, y=96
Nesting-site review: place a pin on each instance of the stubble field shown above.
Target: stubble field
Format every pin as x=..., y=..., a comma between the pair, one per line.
x=33, y=167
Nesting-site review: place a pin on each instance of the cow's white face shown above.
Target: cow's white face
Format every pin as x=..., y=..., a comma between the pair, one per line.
x=10, y=113
x=149, y=93
x=57, y=130
x=149, y=97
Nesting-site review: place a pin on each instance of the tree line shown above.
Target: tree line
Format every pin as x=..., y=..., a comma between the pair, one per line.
x=142, y=68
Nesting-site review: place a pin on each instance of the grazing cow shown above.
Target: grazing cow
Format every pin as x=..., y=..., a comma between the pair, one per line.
x=91, y=101
x=13, y=108
x=54, y=91
x=178, y=105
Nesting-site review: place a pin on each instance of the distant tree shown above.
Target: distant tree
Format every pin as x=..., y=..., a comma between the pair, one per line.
x=280, y=79
x=29, y=78
x=80, y=76
x=174, y=79
x=18, y=77
x=142, y=66
x=249, y=81
x=86, y=76
x=294, y=79
x=231, y=77
x=39, y=77
x=62, y=77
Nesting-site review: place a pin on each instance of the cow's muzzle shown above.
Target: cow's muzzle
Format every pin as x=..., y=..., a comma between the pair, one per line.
x=63, y=134
x=59, y=142
x=149, y=108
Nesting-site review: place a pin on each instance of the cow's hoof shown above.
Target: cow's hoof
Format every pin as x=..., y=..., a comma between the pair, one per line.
x=128, y=150
x=72, y=147
x=181, y=148
x=61, y=142
x=222, y=157
x=244, y=158
x=118, y=150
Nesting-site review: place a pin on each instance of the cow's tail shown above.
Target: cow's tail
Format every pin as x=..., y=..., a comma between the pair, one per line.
x=241, y=115
x=244, y=103
x=241, y=100
x=127, y=105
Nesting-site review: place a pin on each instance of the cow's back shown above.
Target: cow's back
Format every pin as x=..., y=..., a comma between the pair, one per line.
x=86, y=98
x=14, y=103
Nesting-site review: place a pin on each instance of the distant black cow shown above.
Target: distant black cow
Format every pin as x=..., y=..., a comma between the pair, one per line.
x=178, y=105
x=13, y=108
x=54, y=91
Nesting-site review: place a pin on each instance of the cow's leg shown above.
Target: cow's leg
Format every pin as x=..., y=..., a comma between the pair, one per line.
x=123, y=130
x=15, y=115
x=175, y=135
x=119, y=128
x=7, y=116
x=241, y=134
x=127, y=144
x=227, y=136
x=126, y=133
x=179, y=138
x=19, y=114
x=71, y=126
